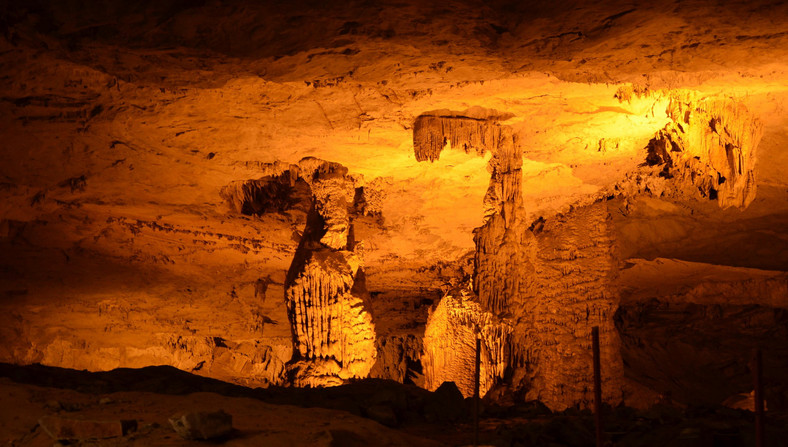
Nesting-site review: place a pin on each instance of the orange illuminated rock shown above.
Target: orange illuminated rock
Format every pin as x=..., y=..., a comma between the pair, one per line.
x=707, y=150
x=333, y=333
x=159, y=166
x=473, y=129
x=450, y=345
x=553, y=280
x=574, y=289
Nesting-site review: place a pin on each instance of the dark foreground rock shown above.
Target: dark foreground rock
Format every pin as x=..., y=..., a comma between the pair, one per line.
x=60, y=428
x=202, y=425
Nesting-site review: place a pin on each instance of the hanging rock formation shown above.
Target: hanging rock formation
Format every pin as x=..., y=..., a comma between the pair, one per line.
x=325, y=291
x=475, y=128
x=707, y=150
x=552, y=282
x=270, y=193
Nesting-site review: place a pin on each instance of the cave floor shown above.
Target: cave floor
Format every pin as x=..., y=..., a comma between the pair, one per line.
x=341, y=416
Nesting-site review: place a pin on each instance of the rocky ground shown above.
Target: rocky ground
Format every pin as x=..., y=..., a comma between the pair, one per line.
x=368, y=412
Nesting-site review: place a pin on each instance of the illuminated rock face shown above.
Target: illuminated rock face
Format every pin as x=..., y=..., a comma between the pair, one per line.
x=475, y=128
x=325, y=291
x=270, y=193
x=552, y=281
x=450, y=345
x=707, y=151
x=575, y=271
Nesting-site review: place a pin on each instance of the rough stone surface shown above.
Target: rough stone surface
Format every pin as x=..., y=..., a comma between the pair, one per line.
x=64, y=428
x=450, y=345
x=551, y=281
x=202, y=425
x=161, y=161
x=333, y=333
x=707, y=151
x=574, y=289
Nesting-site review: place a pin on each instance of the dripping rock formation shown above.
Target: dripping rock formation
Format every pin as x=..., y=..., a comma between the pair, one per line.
x=450, y=345
x=707, y=150
x=325, y=291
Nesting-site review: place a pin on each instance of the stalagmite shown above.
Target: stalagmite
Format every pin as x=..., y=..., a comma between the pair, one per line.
x=325, y=291
x=450, y=343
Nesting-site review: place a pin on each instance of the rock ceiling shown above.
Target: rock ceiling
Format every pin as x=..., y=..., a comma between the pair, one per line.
x=163, y=164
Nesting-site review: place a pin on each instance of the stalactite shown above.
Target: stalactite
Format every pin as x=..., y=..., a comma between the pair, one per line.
x=475, y=129
x=707, y=150
x=725, y=136
x=268, y=193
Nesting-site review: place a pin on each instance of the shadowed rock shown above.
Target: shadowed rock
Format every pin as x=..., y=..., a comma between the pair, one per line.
x=60, y=428
x=202, y=425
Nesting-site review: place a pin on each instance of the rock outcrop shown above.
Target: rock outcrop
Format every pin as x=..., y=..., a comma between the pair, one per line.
x=708, y=150
x=270, y=193
x=325, y=290
x=399, y=359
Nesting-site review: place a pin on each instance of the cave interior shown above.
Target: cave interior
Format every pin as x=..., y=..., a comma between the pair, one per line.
x=338, y=222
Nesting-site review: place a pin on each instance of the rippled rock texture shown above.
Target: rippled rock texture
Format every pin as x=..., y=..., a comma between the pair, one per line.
x=326, y=296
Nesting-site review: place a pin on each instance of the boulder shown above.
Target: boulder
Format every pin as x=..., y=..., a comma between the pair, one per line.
x=60, y=428
x=382, y=414
x=445, y=405
x=202, y=425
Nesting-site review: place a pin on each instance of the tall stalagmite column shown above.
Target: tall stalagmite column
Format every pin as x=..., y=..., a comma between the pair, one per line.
x=547, y=284
x=575, y=289
x=325, y=291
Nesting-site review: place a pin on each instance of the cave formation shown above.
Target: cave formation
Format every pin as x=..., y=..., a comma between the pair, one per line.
x=307, y=198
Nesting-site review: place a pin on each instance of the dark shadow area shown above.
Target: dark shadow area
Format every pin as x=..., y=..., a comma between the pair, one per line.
x=702, y=354
x=443, y=415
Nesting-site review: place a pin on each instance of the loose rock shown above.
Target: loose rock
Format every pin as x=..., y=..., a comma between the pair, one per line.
x=75, y=429
x=202, y=425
